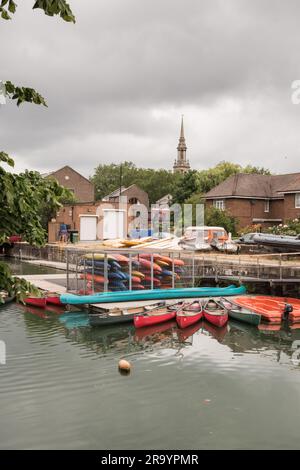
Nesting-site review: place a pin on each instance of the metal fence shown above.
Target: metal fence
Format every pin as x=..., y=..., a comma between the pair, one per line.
x=128, y=269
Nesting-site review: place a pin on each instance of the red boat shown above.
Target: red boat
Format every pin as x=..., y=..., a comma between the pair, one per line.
x=153, y=316
x=215, y=313
x=189, y=314
x=53, y=299
x=36, y=301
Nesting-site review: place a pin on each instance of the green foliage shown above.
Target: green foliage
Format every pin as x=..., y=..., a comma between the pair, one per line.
x=208, y=179
x=220, y=218
x=50, y=7
x=157, y=183
x=187, y=186
x=292, y=227
x=23, y=94
x=22, y=199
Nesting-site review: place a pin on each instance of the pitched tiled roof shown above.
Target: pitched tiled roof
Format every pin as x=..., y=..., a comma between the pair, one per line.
x=294, y=185
x=254, y=186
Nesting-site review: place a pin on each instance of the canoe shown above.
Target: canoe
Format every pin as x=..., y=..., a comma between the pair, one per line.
x=189, y=314
x=99, y=256
x=53, y=299
x=36, y=301
x=215, y=313
x=115, y=316
x=153, y=317
x=272, y=309
x=152, y=294
x=242, y=314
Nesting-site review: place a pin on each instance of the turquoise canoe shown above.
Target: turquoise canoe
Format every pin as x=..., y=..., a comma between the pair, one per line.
x=154, y=294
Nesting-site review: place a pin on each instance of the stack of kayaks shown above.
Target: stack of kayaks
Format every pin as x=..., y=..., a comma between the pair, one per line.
x=112, y=272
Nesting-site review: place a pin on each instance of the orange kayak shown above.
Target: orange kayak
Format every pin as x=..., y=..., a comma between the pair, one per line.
x=271, y=308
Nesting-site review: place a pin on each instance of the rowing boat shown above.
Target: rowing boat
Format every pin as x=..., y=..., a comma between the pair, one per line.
x=271, y=309
x=215, y=313
x=237, y=312
x=36, y=301
x=189, y=314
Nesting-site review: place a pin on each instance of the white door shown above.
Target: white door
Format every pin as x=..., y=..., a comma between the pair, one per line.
x=88, y=228
x=113, y=223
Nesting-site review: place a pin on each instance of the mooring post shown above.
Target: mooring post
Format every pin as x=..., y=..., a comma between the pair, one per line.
x=77, y=288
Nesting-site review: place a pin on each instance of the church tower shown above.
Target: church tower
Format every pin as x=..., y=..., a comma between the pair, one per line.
x=181, y=164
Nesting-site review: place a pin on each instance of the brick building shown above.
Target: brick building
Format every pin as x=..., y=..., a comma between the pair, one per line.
x=82, y=188
x=105, y=219
x=258, y=199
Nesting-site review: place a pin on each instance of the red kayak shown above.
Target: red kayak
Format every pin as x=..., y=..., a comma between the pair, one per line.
x=215, y=313
x=36, y=301
x=153, y=316
x=189, y=314
x=53, y=299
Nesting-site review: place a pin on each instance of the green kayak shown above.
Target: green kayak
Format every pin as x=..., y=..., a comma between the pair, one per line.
x=155, y=294
x=241, y=314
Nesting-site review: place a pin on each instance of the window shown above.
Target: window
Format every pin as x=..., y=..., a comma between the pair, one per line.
x=297, y=201
x=219, y=204
x=267, y=205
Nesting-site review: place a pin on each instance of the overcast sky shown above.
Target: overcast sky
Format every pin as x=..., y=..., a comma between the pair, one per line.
x=118, y=81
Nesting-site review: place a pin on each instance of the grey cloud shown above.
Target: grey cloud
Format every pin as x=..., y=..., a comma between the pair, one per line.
x=117, y=82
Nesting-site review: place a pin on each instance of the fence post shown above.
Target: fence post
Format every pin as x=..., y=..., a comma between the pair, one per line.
x=173, y=271
x=67, y=263
x=152, y=282
x=280, y=266
x=77, y=288
x=130, y=271
x=93, y=273
x=193, y=269
x=105, y=273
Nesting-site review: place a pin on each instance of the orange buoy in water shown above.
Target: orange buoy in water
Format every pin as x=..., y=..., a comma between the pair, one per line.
x=124, y=366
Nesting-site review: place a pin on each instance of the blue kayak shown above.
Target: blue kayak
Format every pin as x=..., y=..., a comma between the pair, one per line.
x=154, y=294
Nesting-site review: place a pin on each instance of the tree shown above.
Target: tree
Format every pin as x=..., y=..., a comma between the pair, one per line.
x=157, y=183
x=187, y=186
x=22, y=196
x=216, y=217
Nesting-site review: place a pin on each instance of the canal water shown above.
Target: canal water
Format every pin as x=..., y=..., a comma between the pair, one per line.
x=237, y=387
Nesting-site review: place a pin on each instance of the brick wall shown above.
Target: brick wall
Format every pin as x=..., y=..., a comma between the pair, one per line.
x=83, y=190
x=290, y=212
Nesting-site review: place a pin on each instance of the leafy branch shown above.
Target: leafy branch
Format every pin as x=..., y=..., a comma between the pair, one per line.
x=23, y=94
x=50, y=7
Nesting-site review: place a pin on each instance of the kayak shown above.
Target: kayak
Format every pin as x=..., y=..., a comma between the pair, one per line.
x=152, y=294
x=154, y=316
x=272, y=309
x=215, y=313
x=189, y=314
x=242, y=314
x=53, y=299
x=36, y=301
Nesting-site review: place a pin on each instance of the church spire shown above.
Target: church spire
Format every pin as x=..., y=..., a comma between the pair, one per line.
x=181, y=164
